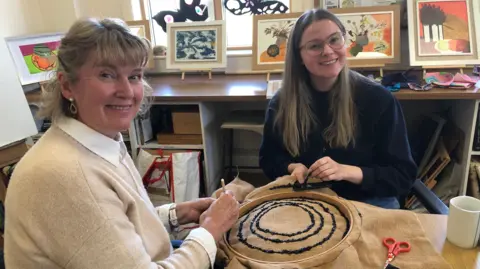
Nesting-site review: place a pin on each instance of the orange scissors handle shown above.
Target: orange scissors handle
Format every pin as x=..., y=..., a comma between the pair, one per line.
x=395, y=247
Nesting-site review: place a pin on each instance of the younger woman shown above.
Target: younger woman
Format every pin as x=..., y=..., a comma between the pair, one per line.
x=332, y=123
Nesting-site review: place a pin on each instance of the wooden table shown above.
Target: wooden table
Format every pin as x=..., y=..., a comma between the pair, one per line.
x=234, y=88
x=435, y=227
x=196, y=88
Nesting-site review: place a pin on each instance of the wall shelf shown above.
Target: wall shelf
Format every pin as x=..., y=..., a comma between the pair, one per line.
x=155, y=145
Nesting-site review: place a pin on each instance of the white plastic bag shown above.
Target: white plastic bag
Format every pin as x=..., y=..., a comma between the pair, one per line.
x=186, y=176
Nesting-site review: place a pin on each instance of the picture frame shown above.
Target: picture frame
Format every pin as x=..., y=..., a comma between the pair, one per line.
x=372, y=34
x=327, y=4
x=34, y=56
x=270, y=39
x=451, y=39
x=198, y=55
x=141, y=28
x=476, y=18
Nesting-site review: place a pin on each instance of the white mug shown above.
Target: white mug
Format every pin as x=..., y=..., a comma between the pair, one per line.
x=463, y=226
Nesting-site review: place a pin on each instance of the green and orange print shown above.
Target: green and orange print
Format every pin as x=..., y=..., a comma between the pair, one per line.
x=41, y=57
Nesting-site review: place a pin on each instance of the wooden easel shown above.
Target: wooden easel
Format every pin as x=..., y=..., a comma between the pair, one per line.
x=436, y=67
x=273, y=71
x=196, y=70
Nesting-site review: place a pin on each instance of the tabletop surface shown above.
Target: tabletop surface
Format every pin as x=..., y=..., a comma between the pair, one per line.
x=235, y=88
x=197, y=88
x=435, y=227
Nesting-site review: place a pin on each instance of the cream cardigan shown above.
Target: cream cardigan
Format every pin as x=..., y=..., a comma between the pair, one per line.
x=76, y=200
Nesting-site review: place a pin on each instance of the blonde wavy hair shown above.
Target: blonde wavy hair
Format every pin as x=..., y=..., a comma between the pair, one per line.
x=109, y=41
x=295, y=118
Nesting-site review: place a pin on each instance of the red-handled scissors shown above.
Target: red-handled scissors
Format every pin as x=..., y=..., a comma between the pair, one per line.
x=394, y=248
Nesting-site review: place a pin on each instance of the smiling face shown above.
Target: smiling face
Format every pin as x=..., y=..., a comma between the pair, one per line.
x=107, y=96
x=328, y=64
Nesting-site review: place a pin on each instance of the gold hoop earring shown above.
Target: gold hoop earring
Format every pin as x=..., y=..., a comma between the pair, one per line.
x=73, y=108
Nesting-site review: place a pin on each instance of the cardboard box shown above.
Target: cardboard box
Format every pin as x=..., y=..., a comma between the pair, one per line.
x=179, y=139
x=186, y=122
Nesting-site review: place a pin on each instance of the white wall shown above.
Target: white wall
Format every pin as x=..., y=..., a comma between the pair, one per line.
x=16, y=122
x=20, y=17
x=105, y=8
x=58, y=15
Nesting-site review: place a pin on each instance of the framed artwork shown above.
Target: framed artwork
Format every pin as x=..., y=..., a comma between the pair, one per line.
x=200, y=45
x=353, y=3
x=372, y=34
x=442, y=32
x=140, y=28
x=35, y=56
x=270, y=39
x=238, y=15
x=331, y=3
x=350, y=3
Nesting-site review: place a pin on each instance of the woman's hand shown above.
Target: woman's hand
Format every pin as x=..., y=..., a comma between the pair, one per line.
x=221, y=215
x=327, y=169
x=299, y=171
x=189, y=212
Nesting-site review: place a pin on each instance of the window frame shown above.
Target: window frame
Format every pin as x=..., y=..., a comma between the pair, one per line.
x=219, y=12
x=218, y=15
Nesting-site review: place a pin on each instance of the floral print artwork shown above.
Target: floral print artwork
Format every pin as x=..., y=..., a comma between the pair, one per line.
x=369, y=35
x=196, y=45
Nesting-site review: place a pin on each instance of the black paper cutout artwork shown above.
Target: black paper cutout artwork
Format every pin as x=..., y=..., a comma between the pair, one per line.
x=192, y=12
x=254, y=7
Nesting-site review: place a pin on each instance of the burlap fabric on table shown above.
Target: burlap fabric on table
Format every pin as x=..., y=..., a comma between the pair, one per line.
x=280, y=228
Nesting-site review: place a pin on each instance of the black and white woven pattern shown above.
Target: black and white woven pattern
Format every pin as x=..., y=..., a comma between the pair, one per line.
x=316, y=225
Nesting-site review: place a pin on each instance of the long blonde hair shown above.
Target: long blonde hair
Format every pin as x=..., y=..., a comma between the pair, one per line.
x=295, y=117
x=110, y=41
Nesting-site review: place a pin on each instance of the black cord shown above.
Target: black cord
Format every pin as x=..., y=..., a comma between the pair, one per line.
x=307, y=205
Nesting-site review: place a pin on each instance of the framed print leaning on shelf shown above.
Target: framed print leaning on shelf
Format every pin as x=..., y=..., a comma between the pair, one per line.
x=270, y=39
x=199, y=45
x=372, y=34
x=34, y=56
x=142, y=29
x=443, y=32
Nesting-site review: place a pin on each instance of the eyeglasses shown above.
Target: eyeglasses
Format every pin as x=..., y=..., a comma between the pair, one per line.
x=315, y=48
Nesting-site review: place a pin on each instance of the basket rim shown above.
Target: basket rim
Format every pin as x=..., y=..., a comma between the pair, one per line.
x=343, y=205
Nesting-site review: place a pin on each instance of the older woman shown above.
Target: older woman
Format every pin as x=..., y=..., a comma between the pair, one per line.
x=75, y=199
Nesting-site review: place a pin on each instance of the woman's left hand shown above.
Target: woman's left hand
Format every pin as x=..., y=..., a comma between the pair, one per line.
x=189, y=212
x=327, y=169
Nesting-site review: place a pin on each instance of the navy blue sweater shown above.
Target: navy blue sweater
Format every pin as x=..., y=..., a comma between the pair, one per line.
x=381, y=147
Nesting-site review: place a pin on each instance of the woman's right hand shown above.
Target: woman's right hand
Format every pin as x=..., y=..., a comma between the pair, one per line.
x=299, y=171
x=221, y=215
